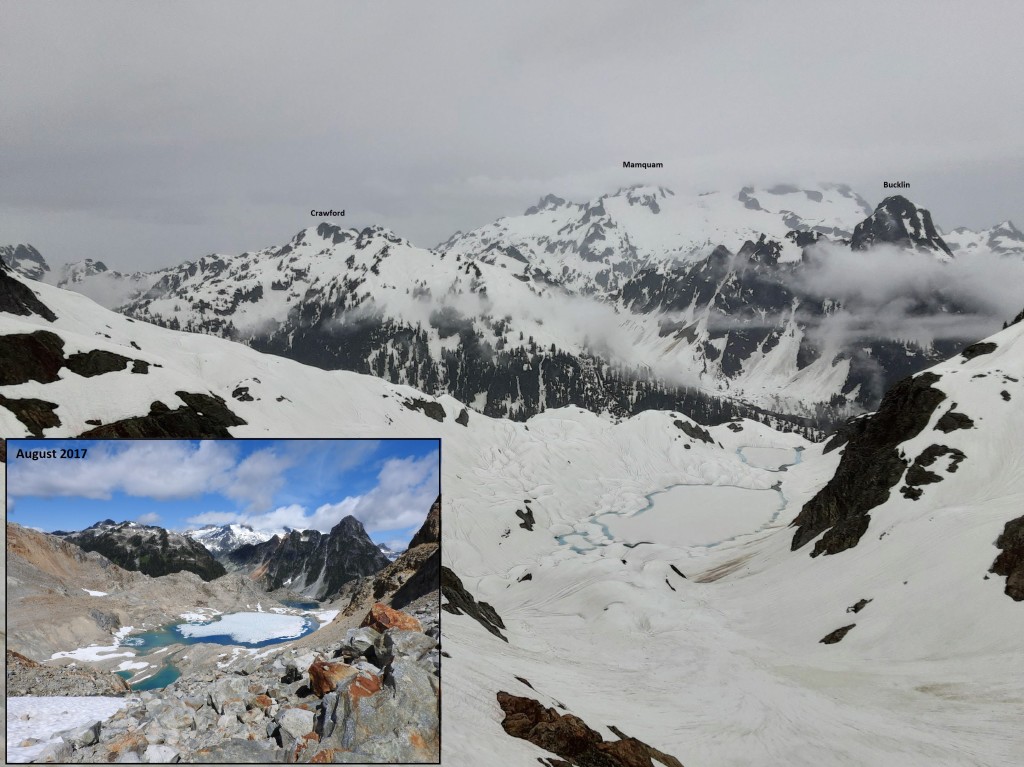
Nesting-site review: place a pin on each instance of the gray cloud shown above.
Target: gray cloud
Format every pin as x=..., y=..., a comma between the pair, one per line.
x=145, y=134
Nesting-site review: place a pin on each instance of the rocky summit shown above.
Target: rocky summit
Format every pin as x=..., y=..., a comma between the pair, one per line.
x=149, y=549
x=309, y=562
x=372, y=697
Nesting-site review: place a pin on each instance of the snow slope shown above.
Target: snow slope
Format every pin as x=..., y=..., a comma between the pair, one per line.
x=38, y=718
x=722, y=666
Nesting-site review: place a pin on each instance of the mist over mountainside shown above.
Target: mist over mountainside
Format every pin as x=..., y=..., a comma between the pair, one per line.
x=800, y=303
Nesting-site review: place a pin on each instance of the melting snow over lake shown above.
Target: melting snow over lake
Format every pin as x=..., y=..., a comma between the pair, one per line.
x=249, y=627
x=40, y=717
x=695, y=515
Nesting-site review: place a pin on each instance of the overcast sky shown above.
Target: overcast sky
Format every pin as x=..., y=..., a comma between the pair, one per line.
x=145, y=134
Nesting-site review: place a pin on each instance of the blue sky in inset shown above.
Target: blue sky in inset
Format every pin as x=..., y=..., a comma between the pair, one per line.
x=388, y=485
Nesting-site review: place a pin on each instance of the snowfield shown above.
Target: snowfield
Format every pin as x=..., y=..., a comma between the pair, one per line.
x=711, y=653
x=248, y=627
x=41, y=717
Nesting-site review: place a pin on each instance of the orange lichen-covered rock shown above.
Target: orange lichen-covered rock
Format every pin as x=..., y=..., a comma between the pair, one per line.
x=325, y=676
x=363, y=686
x=381, y=618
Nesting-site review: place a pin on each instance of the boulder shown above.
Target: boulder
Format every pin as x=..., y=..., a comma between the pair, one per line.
x=161, y=755
x=239, y=751
x=296, y=722
x=55, y=753
x=177, y=718
x=78, y=737
x=361, y=639
x=396, y=720
x=395, y=643
x=324, y=677
x=295, y=668
x=381, y=618
x=228, y=688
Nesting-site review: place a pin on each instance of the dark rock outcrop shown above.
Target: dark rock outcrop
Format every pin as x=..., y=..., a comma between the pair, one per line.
x=871, y=465
x=19, y=299
x=203, y=416
x=430, y=530
x=837, y=635
x=36, y=356
x=460, y=602
x=919, y=473
x=35, y=414
x=96, y=362
x=952, y=420
x=976, y=350
x=694, y=432
x=897, y=221
x=526, y=520
x=1010, y=561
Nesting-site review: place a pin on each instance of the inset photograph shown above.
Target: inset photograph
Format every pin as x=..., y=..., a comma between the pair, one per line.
x=223, y=601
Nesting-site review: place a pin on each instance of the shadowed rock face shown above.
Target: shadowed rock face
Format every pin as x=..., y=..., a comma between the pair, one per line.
x=204, y=416
x=898, y=221
x=149, y=549
x=33, y=356
x=569, y=737
x=837, y=635
x=310, y=562
x=18, y=298
x=430, y=530
x=1010, y=561
x=35, y=414
x=462, y=602
x=425, y=580
x=871, y=466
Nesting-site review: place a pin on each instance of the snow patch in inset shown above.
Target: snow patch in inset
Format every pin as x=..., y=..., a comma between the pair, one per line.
x=48, y=715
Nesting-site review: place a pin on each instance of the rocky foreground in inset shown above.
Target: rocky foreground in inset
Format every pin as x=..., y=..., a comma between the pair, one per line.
x=373, y=697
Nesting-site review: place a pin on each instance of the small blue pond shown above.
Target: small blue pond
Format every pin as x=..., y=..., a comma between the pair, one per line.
x=159, y=680
x=301, y=604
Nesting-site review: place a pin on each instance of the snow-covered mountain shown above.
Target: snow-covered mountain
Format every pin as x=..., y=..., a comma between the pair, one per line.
x=649, y=545
x=389, y=552
x=491, y=332
x=221, y=539
x=634, y=300
x=1003, y=238
x=26, y=261
x=594, y=247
